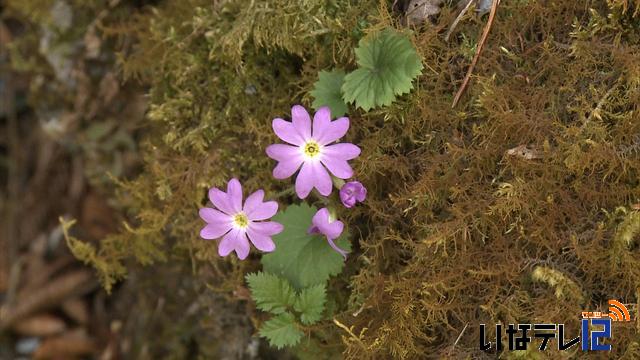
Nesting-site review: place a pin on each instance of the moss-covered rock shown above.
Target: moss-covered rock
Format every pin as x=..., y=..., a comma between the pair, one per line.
x=481, y=213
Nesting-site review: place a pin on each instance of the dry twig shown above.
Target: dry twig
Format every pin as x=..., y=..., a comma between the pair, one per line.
x=458, y=18
x=483, y=40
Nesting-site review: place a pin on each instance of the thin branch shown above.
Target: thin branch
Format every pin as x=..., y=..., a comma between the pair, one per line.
x=460, y=336
x=458, y=18
x=483, y=40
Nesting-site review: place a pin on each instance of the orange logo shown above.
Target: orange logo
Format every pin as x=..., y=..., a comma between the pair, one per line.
x=618, y=312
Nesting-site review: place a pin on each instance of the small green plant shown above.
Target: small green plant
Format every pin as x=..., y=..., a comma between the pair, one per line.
x=387, y=65
x=290, y=308
x=293, y=284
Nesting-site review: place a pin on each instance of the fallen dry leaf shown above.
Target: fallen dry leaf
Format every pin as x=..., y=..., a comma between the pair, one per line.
x=40, y=326
x=48, y=296
x=76, y=309
x=70, y=344
x=419, y=11
x=524, y=152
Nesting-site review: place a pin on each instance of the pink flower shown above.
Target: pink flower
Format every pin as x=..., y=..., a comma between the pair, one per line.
x=323, y=224
x=310, y=150
x=352, y=192
x=237, y=222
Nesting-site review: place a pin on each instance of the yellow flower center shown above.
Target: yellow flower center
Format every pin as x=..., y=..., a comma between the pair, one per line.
x=241, y=220
x=311, y=149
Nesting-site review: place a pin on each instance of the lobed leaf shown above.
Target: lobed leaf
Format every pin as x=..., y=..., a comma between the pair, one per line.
x=388, y=63
x=303, y=259
x=327, y=92
x=270, y=292
x=310, y=303
x=281, y=331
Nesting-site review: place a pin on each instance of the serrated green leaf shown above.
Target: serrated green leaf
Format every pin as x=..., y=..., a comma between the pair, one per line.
x=303, y=259
x=270, y=292
x=327, y=92
x=281, y=331
x=388, y=63
x=310, y=303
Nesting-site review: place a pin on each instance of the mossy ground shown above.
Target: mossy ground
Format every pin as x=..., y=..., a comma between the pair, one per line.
x=454, y=225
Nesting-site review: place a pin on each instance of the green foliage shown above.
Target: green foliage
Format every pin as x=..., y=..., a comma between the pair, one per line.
x=110, y=269
x=281, y=330
x=276, y=296
x=271, y=293
x=327, y=92
x=301, y=258
x=388, y=64
x=310, y=303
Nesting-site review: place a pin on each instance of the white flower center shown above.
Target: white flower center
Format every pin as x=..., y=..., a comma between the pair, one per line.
x=311, y=149
x=240, y=220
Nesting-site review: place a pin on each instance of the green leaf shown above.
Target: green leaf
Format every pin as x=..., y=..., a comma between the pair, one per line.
x=270, y=292
x=310, y=303
x=327, y=92
x=388, y=63
x=281, y=331
x=301, y=258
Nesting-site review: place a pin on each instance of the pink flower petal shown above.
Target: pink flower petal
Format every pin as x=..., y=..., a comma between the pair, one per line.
x=301, y=121
x=242, y=245
x=267, y=228
x=344, y=151
x=228, y=243
x=321, y=121
x=305, y=180
x=214, y=231
x=333, y=230
x=322, y=179
x=213, y=216
x=263, y=211
x=287, y=132
x=260, y=241
x=253, y=201
x=338, y=167
x=320, y=218
x=281, y=152
x=236, y=240
x=332, y=132
x=286, y=168
x=234, y=193
x=220, y=199
x=321, y=221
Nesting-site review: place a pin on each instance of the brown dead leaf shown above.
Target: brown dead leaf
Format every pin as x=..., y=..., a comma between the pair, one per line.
x=71, y=344
x=419, y=11
x=48, y=296
x=77, y=310
x=38, y=272
x=40, y=325
x=525, y=152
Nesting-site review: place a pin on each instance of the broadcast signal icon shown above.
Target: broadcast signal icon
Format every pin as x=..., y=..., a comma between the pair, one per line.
x=618, y=312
